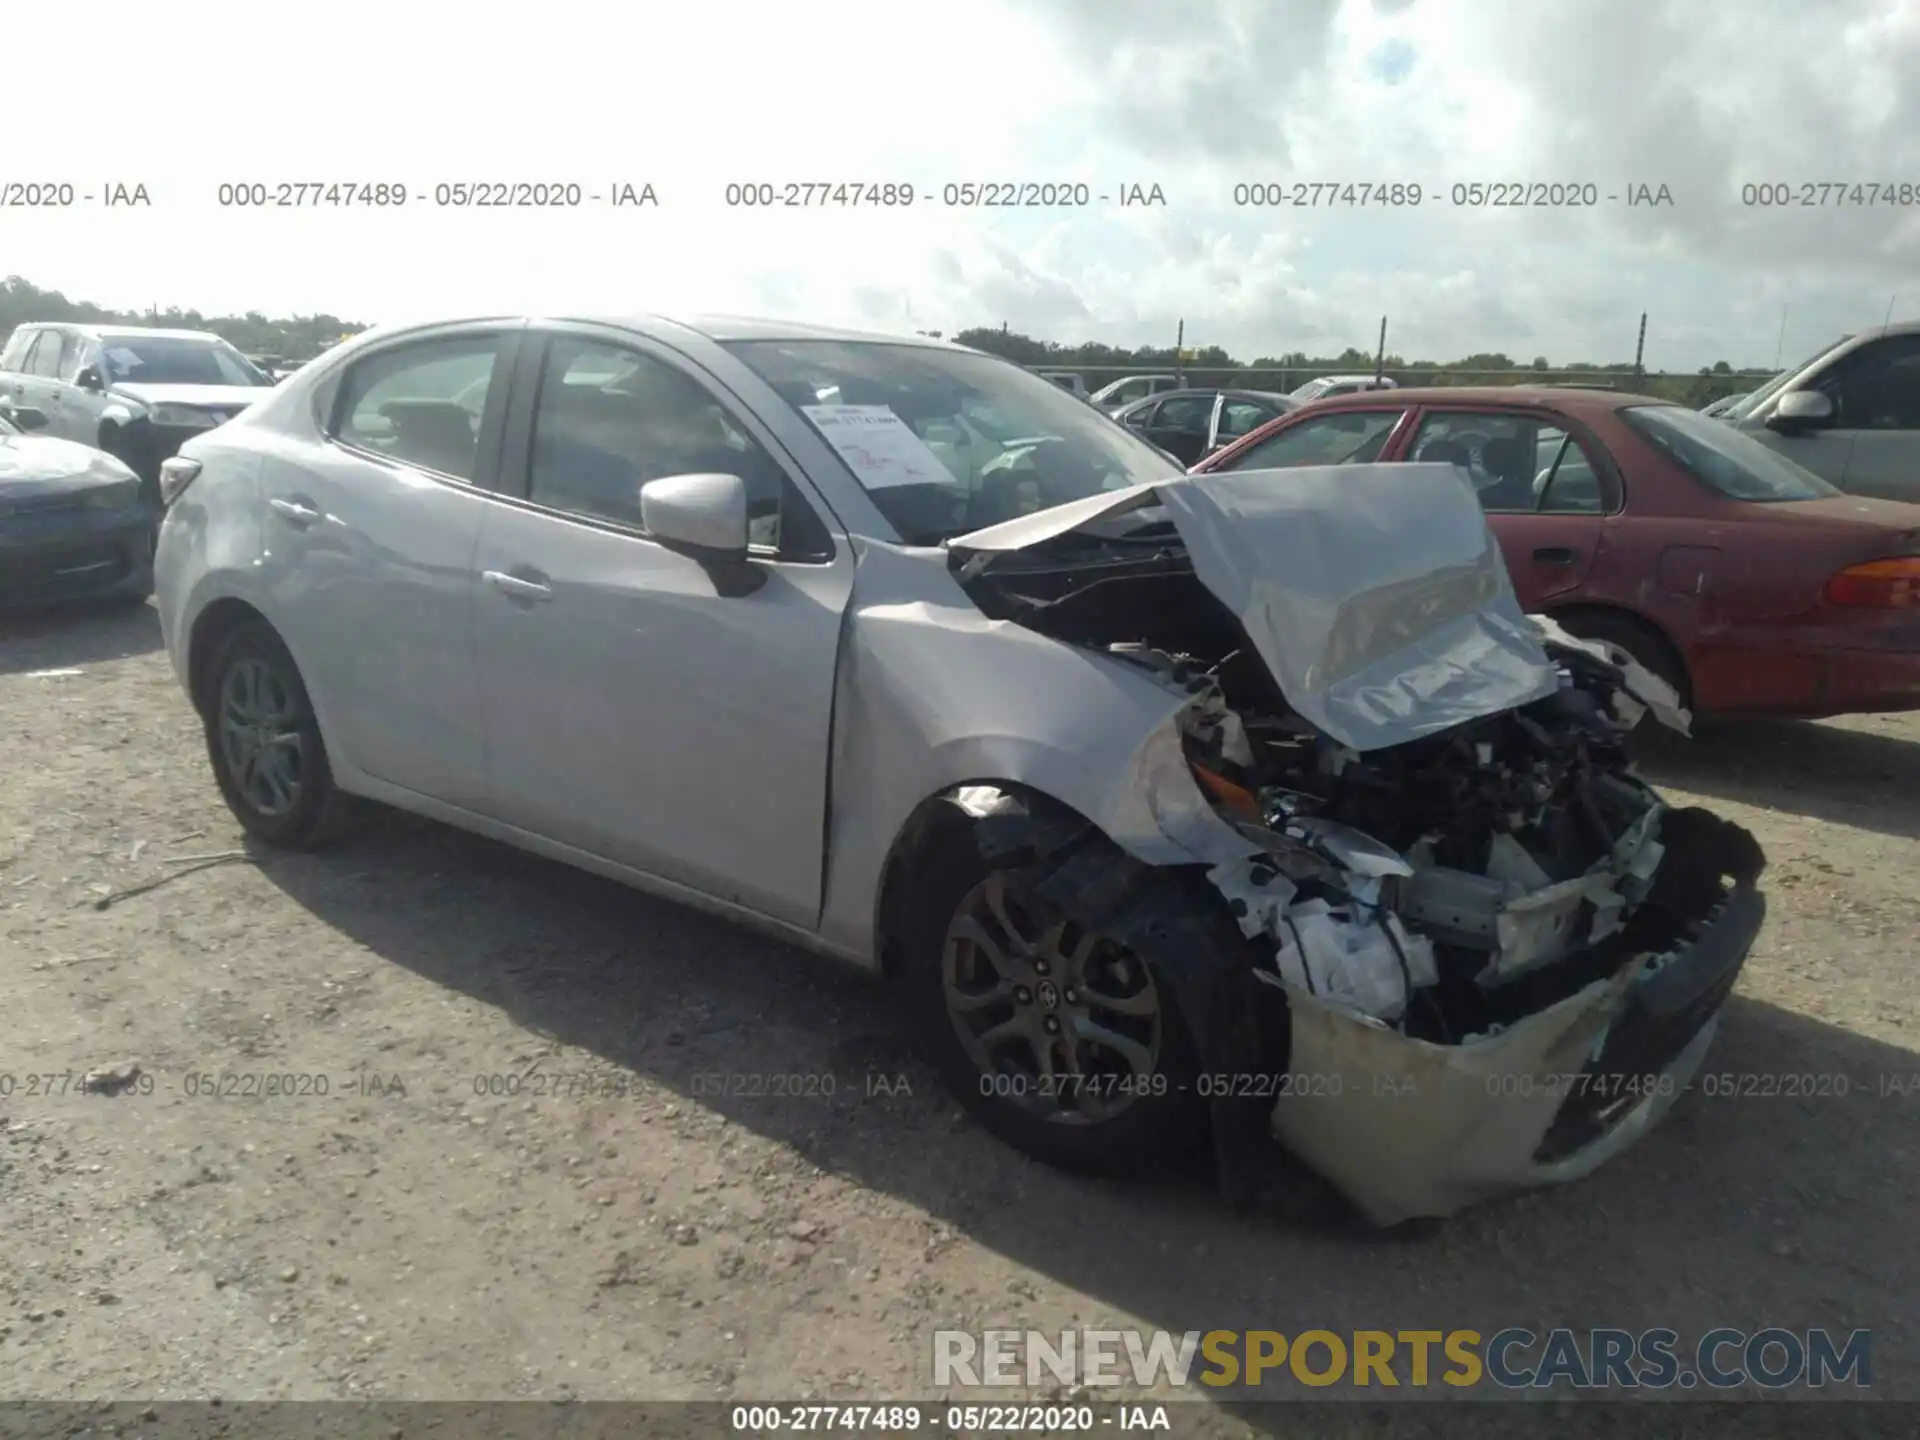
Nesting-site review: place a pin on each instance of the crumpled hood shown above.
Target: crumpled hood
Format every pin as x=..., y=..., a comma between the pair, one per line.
x=35, y=463
x=1375, y=594
x=223, y=396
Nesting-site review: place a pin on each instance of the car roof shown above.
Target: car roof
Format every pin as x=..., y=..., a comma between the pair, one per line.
x=102, y=332
x=1550, y=396
x=724, y=328
x=716, y=328
x=1898, y=327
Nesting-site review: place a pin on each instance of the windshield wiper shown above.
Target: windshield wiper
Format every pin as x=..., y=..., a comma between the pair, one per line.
x=1152, y=530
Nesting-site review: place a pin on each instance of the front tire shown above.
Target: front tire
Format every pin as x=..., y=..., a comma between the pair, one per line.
x=1057, y=1039
x=264, y=743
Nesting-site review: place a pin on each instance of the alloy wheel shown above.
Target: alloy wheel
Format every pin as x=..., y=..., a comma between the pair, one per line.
x=260, y=735
x=1058, y=1019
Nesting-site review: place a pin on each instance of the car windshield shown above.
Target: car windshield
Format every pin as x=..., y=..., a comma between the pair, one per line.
x=176, y=360
x=948, y=441
x=1722, y=458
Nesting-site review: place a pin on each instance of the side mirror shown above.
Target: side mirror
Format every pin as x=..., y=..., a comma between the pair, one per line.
x=704, y=517
x=89, y=378
x=1801, y=410
x=28, y=418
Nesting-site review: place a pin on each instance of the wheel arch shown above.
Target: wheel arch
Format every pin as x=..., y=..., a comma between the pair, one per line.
x=1616, y=614
x=218, y=619
x=956, y=815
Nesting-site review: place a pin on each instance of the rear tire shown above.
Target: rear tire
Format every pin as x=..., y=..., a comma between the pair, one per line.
x=264, y=743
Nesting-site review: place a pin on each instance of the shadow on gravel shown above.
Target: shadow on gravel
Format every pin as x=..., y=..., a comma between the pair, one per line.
x=77, y=635
x=1769, y=1202
x=1839, y=772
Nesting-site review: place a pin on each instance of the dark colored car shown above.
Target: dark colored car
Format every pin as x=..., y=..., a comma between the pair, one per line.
x=1748, y=583
x=1190, y=424
x=72, y=522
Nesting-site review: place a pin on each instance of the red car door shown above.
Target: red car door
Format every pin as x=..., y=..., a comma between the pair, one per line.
x=1546, y=491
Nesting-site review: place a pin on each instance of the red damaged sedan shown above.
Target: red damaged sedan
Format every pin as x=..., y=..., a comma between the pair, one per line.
x=1749, y=584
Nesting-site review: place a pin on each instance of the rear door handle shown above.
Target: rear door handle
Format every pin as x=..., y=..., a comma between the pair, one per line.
x=516, y=587
x=298, y=512
x=1556, y=555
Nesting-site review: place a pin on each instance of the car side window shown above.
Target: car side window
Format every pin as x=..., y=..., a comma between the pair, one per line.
x=1499, y=453
x=82, y=353
x=608, y=420
x=1565, y=481
x=1878, y=386
x=1143, y=417
x=1347, y=437
x=14, y=358
x=45, y=361
x=1189, y=413
x=421, y=404
x=1242, y=417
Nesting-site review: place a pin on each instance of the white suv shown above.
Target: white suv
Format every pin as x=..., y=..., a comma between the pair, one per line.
x=1328, y=386
x=137, y=394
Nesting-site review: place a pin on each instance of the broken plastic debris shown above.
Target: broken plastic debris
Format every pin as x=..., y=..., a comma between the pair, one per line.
x=1355, y=851
x=1641, y=684
x=1258, y=893
x=1372, y=965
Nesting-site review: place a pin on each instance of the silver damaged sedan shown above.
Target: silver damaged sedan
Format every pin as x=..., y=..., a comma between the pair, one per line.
x=1247, y=805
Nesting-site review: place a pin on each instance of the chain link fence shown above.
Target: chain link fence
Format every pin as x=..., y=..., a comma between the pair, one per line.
x=1686, y=388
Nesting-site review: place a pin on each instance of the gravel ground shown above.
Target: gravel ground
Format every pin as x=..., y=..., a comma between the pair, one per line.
x=408, y=1234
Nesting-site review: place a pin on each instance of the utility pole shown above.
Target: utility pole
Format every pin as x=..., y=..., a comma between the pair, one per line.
x=1380, y=353
x=1180, y=357
x=1640, y=351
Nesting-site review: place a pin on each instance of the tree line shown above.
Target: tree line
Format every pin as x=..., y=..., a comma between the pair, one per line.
x=1211, y=365
x=293, y=339
x=290, y=339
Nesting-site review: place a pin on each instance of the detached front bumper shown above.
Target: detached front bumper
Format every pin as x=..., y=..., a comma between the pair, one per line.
x=75, y=554
x=1405, y=1128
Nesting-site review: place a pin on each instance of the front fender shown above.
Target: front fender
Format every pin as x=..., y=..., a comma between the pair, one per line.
x=930, y=694
x=121, y=411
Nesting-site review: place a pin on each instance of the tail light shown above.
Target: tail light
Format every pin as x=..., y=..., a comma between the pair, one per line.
x=1878, y=585
x=175, y=475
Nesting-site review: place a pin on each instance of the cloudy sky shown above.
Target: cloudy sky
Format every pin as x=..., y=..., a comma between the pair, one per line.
x=1707, y=98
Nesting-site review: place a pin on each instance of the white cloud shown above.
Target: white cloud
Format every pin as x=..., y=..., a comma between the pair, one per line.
x=1700, y=97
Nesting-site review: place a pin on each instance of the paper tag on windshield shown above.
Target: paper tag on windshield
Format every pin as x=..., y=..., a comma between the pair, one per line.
x=878, y=446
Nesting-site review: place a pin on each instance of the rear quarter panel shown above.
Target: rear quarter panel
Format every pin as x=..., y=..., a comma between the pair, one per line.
x=210, y=541
x=1736, y=586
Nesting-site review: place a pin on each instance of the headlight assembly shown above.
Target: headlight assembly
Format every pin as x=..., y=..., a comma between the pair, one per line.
x=119, y=495
x=185, y=416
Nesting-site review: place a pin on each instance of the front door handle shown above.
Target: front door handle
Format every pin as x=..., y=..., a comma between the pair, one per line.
x=1556, y=555
x=297, y=512
x=515, y=587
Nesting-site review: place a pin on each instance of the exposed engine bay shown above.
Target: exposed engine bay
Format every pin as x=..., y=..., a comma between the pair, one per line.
x=1446, y=887
x=1412, y=878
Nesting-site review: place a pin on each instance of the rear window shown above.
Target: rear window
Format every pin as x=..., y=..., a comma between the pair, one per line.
x=1722, y=458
